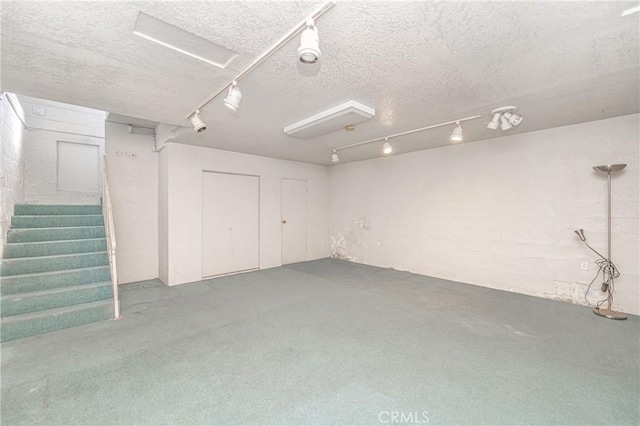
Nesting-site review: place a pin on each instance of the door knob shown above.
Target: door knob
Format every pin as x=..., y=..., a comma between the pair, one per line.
x=284, y=221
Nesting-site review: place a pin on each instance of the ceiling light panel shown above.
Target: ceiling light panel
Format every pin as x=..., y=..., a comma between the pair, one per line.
x=331, y=120
x=182, y=41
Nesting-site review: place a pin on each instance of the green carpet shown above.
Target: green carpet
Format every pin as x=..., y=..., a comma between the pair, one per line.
x=328, y=342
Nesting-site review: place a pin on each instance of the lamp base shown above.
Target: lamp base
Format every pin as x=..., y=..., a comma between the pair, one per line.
x=608, y=313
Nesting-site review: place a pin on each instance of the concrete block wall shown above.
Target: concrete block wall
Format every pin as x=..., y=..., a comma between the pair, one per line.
x=11, y=163
x=498, y=213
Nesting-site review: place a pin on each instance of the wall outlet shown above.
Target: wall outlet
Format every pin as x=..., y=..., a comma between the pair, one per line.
x=584, y=266
x=378, y=242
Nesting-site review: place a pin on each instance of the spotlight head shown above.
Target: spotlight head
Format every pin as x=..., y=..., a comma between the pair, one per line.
x=309, y=50
x=515, y=119
x=197, y=123
x=580, y=233
x=504, y=122
x=456, y=136
x=334, y=157
x=495, y=122
x=387, y=148
x=232, y=101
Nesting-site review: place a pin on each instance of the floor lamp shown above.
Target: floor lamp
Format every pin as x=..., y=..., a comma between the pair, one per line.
x=606, y=266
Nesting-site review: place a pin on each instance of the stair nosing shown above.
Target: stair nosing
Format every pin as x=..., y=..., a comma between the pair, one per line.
x=55, y=255
x=56, y=227
x=60, y=271
x=53, y=241
x=54, y=215
x=57, y=290
x=54, y=311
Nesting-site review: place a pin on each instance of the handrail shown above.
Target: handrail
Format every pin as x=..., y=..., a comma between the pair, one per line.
x=110, y=233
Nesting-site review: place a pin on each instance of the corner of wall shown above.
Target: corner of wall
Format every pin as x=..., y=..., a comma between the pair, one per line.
x=11, y=162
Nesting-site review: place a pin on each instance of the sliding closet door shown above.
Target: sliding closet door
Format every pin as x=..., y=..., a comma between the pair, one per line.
x=230, y=217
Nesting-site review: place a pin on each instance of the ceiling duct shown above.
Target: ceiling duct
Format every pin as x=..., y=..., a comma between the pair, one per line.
x=331, y=120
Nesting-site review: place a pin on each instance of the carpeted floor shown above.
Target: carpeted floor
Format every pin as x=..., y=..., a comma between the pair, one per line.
x=328, y=342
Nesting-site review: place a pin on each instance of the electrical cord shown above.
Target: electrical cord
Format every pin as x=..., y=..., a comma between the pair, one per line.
x=609, y=274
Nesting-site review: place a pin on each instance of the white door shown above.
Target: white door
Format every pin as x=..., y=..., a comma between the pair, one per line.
x=294, y=221
x=230, y=216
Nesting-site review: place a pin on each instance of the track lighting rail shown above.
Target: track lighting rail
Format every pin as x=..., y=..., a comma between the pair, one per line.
x=408, y=132
x=321, y=10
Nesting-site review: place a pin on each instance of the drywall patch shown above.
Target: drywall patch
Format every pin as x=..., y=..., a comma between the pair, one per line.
x=350, y=242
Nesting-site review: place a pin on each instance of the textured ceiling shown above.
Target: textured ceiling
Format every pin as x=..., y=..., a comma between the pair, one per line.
x=417, y=63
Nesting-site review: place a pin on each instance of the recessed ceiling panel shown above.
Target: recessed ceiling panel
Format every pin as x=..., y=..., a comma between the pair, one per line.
x=331, y=120
x=182, y=41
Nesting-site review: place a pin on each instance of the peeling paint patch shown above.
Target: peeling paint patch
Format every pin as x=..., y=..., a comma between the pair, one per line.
x=350, y=242
x=573, y=293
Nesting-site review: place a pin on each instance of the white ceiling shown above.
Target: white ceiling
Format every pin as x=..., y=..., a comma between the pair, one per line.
x=416, y=63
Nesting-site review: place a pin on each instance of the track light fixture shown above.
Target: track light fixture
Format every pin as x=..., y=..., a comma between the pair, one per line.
x=309, y=50
x=198, y=124
x=334, y=157
x=232, y=101
x=504, y=123
x=386, y=147
x=456, y=136
x=495, y=122
x=505, y=118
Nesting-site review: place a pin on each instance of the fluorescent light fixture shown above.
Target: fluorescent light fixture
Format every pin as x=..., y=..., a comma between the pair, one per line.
x=630, y=11
x=331, y=120
x=456, y=136
x=182, y=41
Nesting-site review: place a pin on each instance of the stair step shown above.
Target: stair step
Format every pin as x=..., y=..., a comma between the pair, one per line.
x=51, y=248
x=56, y=221
x=24, y=303
x=25, y=325
x=49, y=209
x=27, y=235
x=49, y=280
x=33, y=265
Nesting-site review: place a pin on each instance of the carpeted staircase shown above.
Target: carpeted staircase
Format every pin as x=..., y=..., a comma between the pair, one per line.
x=55, y=271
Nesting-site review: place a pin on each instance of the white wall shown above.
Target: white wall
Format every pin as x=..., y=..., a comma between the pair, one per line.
x=11, y=163
x=184, y=167
x=49, y=122
x=163, y=216
x=498, y=213
x=133, y=182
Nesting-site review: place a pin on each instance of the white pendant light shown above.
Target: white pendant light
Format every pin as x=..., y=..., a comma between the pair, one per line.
x=387, y=148
x=198, y=124
x=309, y=50
x=232, y=101
x=456, y=136
x=334, y=157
